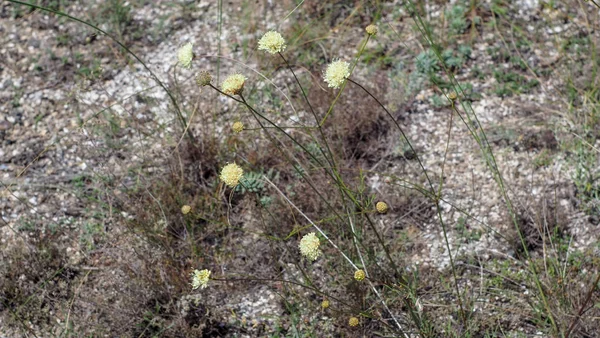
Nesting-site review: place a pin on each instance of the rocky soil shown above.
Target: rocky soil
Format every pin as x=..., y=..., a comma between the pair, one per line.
x=76, y=110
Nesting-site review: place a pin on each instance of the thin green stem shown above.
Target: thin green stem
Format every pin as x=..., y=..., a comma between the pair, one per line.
x=332, y=163
x=439, y=194
x=219, y=28
x=299, y=85
x=399, y=129
x=595, y=4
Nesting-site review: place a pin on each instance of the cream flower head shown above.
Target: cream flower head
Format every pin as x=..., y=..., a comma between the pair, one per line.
x=186, y=209
x=336, y=73
x=359, y=275
x=233, y=84
x=272, y=42
x=309, y=246
x=237, y=127
x=185, y=54
x=231, y=174
x=353, y=321
x=371, y=29
x=325, y=304
x=200, y=279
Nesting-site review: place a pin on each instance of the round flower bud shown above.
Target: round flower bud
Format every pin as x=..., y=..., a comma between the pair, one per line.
x=200, y=279
x=237, y=127
x=371, y=29
x=309, y=246
x=186, y=209
x=233, y=84
x=185, y=55
x=381, y=207
x=203, y=78
x=336, y=73
x=272, y=42
x=452, y=96
x=325, y=304
x=353, y=321
x=231, y=174
x=359, y=275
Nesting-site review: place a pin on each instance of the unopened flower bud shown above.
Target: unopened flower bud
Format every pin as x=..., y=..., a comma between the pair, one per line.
x=371, y=29
x=381, y=207
x=203, y=78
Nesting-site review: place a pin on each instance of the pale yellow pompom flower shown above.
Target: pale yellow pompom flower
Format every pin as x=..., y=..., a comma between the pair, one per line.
x=233, y=84
x=336, y=73
x=309, y=246
x=185, y=55
x=231, y=174
x=359, y=275
x=325, y=304
x=371, y=29
x=272, y=42
x=353, y=321
x=237, y=127
x=186, y=209
x=381, y=207
x=200, y=279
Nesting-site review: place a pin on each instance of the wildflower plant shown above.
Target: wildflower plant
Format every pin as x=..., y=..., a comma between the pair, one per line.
x=335, y=75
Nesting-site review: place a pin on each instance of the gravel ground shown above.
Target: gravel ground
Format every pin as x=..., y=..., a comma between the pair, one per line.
x=45, y=151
